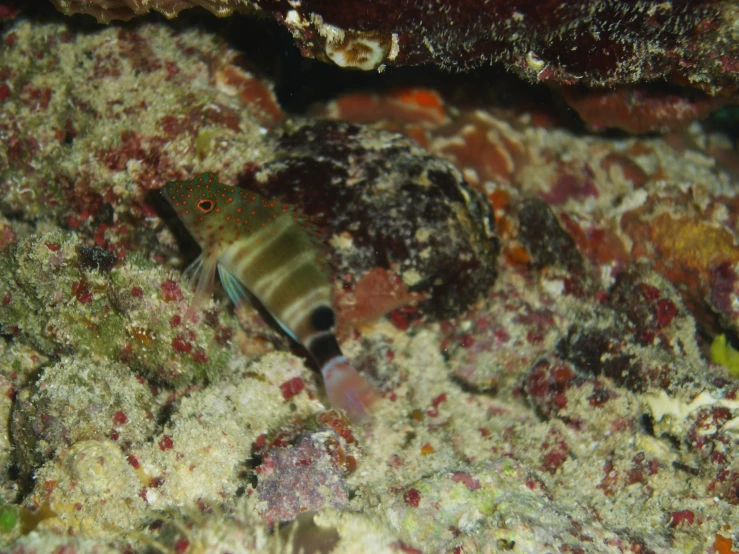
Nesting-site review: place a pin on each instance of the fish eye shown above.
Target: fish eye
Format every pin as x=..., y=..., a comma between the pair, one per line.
x=205, y=205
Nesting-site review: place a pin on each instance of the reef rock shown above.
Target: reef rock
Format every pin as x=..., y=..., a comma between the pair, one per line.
x=600, y=43
x=80, y=399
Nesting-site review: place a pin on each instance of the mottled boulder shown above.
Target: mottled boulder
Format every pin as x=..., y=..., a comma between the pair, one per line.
x=80, y=399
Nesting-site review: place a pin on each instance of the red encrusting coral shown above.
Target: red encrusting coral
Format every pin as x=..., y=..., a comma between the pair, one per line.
x=181, y=344
x=412, y=497
x=166, y=443
x=555, y=451
x=639, y=110
x=682, y=517
x=171, y=291
x=292, y=387
x=81, y=291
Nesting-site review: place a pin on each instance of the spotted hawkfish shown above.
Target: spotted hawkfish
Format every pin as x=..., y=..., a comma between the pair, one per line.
x=264, y=249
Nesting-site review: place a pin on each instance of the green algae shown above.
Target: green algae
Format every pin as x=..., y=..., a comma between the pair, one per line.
x=59, y=307
x=8, y=517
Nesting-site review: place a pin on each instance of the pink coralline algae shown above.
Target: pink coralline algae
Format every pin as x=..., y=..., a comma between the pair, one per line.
x=302, y=477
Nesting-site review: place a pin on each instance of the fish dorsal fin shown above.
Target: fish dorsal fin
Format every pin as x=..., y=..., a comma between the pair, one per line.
x=239, y=295
x=201, y=276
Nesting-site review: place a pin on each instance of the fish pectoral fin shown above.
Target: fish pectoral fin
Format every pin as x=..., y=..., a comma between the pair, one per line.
x=239, y=295
x=235, y=290
x=201, y=275
x=192, y=271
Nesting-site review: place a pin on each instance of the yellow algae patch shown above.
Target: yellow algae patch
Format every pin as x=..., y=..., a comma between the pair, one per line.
x=723, y=353
x=694, y=243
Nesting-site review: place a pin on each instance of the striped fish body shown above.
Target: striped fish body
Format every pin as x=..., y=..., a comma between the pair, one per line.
x=261, y=248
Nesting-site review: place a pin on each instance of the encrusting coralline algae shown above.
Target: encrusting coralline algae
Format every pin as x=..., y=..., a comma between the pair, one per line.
x=566, y=405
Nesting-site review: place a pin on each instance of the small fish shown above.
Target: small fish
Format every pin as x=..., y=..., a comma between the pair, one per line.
x=263, y=249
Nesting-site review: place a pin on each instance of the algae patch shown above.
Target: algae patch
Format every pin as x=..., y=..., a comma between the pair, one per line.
x=131, y=313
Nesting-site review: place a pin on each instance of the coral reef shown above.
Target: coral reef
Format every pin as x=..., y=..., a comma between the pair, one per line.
x=88, y=489
x=462, y=502
x=607, y=54
x=536, y=306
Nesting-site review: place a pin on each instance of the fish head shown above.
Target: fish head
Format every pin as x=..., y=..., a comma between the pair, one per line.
x=206, y=208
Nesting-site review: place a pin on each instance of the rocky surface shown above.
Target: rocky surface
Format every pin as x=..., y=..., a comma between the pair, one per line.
x=601, y=43
x=538, y=317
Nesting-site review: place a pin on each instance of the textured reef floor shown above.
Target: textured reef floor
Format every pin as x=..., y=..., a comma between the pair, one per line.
x=536, y=305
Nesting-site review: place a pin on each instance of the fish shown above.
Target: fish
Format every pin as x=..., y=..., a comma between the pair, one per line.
x=264, y=249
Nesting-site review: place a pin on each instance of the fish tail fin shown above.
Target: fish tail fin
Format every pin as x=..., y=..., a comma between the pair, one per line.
x=347, y=389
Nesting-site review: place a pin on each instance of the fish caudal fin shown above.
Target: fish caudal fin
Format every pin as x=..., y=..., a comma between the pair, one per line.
x=347, y=390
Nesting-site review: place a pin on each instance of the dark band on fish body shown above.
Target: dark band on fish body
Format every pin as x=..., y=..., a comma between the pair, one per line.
x=324, y=348
x=322, y=318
